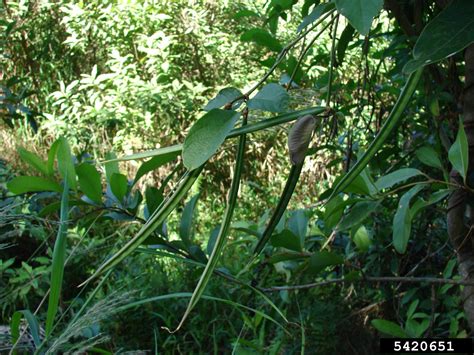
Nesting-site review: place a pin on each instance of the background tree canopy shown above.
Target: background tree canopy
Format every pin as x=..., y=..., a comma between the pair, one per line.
x=240, y=177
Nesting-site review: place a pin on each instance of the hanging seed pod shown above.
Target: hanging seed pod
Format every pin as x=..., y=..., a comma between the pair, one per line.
x=299, y=138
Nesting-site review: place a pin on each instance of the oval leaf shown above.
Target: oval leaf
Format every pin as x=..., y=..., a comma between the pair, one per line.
x=459, y=152
x=447, y=34
x=286, y=239
x=206, y=136
x=119, y=185
x=89, y=182
x=224, y=97
x=388, y=327
x=272, y=97
x=362, y=239
x=360, y=13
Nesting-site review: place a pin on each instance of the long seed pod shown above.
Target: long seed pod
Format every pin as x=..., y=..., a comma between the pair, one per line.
x=245, y=129
x=298, y=142
x=384, y=133
x=223, y=231
x=153, y=222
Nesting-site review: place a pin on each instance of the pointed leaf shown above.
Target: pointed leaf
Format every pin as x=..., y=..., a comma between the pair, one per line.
x=459, y=152
x=186, y=225
x=89, y=181
x=388, y=327
x=207, y=135
x=389, y=180
x=358, y=213
x=315, y=14
x=448, y=33
x=154, y=163
x=119, y=185
x=428, y=156
x=286, y=239
x=402, y=220
x=65, y=163
x=33, y=160
x=360, y=13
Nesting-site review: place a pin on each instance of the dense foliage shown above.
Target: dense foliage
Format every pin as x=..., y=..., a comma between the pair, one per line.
x=235, y=177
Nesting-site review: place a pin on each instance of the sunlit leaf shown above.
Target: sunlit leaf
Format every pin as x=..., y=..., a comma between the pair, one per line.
x=272, y=97
x=207, y=135
x=360, y=13
x=24, y=184
x=89, y=181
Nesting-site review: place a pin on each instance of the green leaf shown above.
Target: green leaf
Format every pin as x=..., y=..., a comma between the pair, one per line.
x=186, y=225
x=119, y=185
x=33, y=160
x=24, y=184
x=459, y=152
x=389, y=180
x=154, y=163
x=65, y=163
x=206, y=136
x=389, y=328
x=59, y=253
x=362, y=239
x=111, y=166
x=358, y=213
x=343, y=43
x=89, y=181
x=263, y=38
x=299, y=138
x=315, y=14
x=286, y=239
x=224, y=97
x=402, y=220
x=33, y=325
x=434, y=198
x=448, y=33
x=392, y=121
x=429, y=156
x=154, y=197
x=360, y=13
x=52, y=156
x=245, y=13
x=272, y=97
x=322, y=259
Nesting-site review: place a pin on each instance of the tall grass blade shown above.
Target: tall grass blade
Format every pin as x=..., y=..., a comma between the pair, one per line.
x=59, y=253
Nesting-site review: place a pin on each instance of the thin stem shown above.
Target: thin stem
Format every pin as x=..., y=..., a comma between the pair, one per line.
x=305, y=51
x=333, y=59
x=430, y=280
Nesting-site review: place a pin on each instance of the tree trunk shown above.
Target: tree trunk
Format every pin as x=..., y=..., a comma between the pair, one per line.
x=460, y=218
